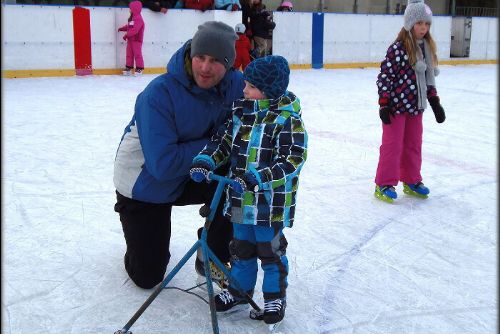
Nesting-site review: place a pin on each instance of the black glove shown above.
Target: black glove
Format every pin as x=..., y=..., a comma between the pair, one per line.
x=247, y=182
x=199, y=170
x=437, y=108
x=384, y=113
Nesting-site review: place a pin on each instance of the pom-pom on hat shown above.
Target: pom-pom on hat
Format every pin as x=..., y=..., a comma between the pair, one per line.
x=270, y=74
x=416, y=11
x=217, y=40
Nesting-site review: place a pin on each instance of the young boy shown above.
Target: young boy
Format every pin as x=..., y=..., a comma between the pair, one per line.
x=266, y=144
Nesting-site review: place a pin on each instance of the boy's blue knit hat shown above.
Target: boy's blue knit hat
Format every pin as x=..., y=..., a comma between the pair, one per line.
x=270, y=74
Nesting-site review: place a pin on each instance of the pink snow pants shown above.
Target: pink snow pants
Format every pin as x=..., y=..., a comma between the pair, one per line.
x=134, y=52
x=401, y=151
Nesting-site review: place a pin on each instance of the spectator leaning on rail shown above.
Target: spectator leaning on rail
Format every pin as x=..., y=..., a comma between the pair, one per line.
x=286, y=6
x=202, y=5
x=159, y=5
x=174, y=118
x=229, y=5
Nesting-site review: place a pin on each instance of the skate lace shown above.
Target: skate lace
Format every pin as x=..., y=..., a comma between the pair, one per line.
x=418, y=185
x=273, y=305
x=226, y=297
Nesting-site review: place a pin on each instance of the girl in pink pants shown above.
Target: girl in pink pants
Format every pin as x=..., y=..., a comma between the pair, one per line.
x=405, y=84
x=134, y=37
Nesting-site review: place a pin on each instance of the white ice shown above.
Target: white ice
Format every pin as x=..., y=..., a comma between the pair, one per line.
x=357, y=265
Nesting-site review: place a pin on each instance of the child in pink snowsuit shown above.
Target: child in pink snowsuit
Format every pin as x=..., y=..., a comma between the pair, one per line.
x=134, y=36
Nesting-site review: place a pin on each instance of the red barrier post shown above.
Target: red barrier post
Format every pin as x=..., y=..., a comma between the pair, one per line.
x=82, y=43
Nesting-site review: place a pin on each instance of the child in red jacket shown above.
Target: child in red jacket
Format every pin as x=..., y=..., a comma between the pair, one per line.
x=243, y=48
x=202, y=5
x=134, y=37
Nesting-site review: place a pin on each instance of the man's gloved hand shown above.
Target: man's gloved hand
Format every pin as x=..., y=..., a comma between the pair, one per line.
x=247, y=182
x=199, y=171
x=235, y=8
x=437, y=109
x=385, y=114
x=124, y=37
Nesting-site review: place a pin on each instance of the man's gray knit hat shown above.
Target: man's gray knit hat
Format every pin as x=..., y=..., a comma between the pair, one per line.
x=416, y=11
x=215, y=39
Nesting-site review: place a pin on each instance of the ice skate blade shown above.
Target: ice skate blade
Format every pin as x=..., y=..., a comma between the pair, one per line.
x=384, y=198
x=410, y=192
x=236, y=309
x=274, y=327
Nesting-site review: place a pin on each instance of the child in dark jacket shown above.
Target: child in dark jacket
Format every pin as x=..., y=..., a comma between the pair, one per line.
x=265, y=142
x=405, y=83
x=243, y=48
x=134, y=37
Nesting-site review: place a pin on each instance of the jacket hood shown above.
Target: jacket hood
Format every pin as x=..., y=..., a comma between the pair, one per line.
x=135, y=7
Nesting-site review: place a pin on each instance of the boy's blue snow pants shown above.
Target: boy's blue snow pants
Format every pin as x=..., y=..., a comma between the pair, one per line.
x=251, y=242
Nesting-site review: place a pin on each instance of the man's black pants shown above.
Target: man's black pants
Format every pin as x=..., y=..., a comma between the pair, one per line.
x=147, y=229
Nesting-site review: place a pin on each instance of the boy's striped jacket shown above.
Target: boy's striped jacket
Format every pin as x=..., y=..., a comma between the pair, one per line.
x=268, y=139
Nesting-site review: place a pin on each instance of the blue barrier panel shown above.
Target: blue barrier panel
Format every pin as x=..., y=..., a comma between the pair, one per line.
x=317, y=40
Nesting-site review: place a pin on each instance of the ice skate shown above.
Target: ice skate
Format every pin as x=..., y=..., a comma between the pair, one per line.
x=218, y=276
x=272, y=315
x=228, y=303
x=417, y=189
x=386, y=193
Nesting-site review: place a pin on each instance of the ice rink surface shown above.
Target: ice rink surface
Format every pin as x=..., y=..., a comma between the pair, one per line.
x=357, y=265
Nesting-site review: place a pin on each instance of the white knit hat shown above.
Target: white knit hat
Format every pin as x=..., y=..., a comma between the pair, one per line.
x=416, y=11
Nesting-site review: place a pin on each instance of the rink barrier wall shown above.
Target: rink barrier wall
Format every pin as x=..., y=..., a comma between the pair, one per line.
x=38, y=39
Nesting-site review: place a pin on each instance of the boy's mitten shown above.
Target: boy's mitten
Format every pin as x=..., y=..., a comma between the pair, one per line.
x=199, y=170
x=385, y=114
x=247, y=182
x=437, y=108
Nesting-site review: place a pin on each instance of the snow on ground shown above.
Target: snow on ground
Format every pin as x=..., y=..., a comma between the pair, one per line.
x=357, y=265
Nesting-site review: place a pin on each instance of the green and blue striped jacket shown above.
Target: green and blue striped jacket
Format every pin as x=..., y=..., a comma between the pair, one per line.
x=268, y=139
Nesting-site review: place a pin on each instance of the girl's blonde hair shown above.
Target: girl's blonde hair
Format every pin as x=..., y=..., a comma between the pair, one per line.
x=411, y=46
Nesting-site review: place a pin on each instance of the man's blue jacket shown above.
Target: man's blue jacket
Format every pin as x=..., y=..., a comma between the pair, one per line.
x=172, y=122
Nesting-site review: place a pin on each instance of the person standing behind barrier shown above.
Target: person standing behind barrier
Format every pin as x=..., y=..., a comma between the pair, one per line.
x=406, y=80
x=265, y=142
x=159, y=5
x=262, y=25
x=134, y=37
x=174, y=118
x=229, y=5
x=243, y=48
x=286, y=6
x=202, y=5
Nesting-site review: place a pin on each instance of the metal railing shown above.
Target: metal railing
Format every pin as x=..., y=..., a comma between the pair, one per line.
x=476, y=11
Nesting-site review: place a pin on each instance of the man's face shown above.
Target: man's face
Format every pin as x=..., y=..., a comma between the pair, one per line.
x=207, y=71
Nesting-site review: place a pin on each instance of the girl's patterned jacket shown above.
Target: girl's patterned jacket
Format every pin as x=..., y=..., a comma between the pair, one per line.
x=268, y=139
x=397, y=82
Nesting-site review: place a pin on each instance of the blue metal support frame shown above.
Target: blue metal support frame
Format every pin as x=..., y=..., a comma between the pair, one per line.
x=207, y=256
